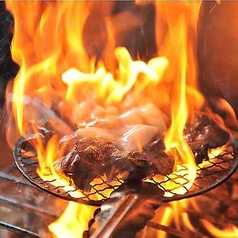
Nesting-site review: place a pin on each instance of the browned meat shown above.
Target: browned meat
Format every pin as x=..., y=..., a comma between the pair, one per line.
x=84, y=159
x=203, y=135
x=89, y=158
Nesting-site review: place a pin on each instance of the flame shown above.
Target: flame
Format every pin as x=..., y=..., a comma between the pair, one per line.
x=183, y=75
x=105, y=86
x=47, y=171
x=216, y=232
x=75, y=227
x=164, y=217
x=71, y=56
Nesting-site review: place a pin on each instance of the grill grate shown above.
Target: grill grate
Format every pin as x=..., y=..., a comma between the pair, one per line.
x=216, y=169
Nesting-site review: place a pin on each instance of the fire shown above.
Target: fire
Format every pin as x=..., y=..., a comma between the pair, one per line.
x=216, y=232
x=65, y=227
x=181, y=20
x=109, y=90
x=74, y=82
x=73, y=64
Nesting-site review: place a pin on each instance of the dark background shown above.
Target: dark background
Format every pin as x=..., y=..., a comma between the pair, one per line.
x=8, y=70
x=218, y=51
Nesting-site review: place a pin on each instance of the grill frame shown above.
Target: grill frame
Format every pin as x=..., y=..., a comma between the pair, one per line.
x=28, y=164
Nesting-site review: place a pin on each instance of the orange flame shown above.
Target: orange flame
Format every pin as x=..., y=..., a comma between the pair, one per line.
x=93, y=82
x=65, y=227
x=230, y=232
x=176, y=43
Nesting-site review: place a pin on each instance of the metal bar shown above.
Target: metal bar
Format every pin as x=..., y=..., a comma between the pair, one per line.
x=19, y=230
x=20, y=220
x=19, y=193
x=14, y=178
x=26, y=206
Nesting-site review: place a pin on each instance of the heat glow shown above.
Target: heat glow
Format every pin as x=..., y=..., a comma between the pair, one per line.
x=105, y=92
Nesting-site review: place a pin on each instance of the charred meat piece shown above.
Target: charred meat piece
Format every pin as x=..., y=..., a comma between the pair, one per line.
x=204, y=134
x=89, y=158
x=151, y=161
x=85, y=159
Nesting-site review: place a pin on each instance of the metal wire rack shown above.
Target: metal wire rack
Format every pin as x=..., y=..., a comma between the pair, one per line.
x=217, y=168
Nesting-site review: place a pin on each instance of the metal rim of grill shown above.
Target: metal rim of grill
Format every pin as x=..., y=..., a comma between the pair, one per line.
x=218, y=169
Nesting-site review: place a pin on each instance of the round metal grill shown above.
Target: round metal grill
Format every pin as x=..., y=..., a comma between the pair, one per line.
x=212, y=172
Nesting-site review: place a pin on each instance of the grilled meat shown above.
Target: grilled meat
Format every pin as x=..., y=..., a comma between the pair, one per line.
x=84, y=159
x=89, y=158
